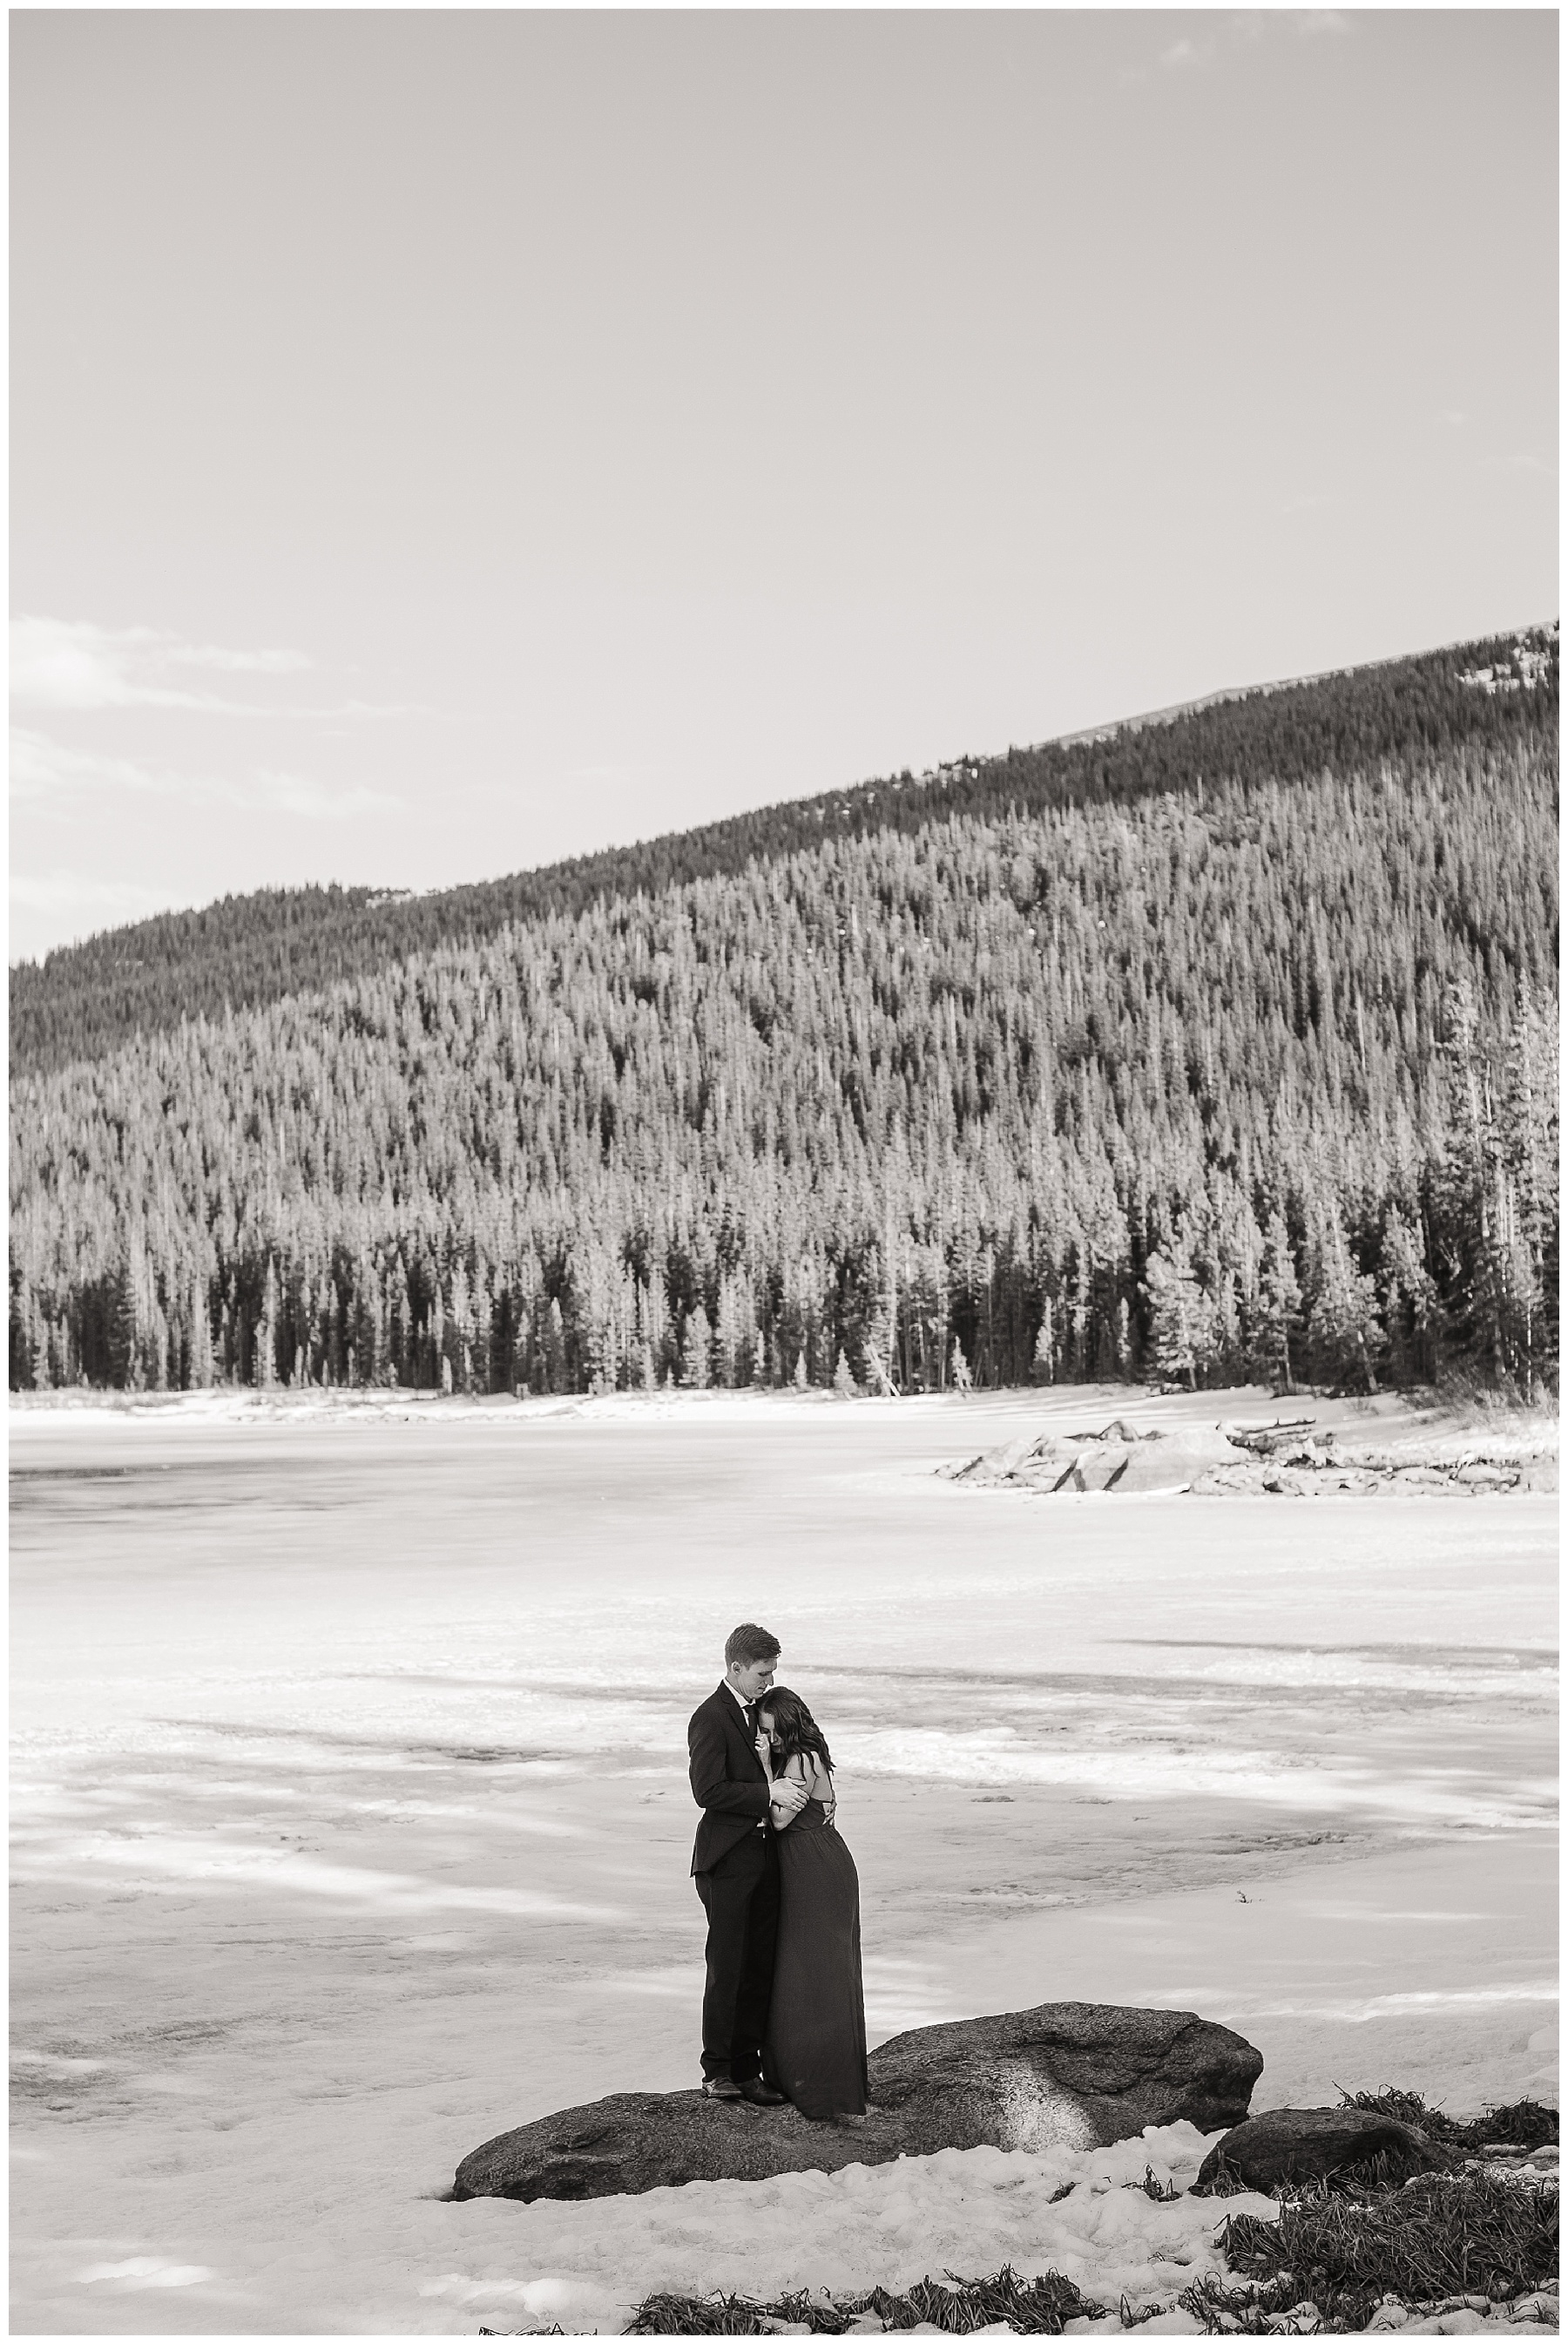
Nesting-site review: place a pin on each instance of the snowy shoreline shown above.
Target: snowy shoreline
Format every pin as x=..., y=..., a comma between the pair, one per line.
x=1408, y=1443
x=1417, y=1409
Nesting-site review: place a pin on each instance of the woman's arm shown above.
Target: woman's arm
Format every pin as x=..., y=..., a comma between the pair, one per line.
x=783, y=1816
x=815, y=1782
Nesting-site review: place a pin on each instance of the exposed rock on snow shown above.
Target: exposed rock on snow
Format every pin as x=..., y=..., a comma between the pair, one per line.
x=1284, y=1458
x=1066, y=2074
x=1117, y=1458
x=1294, y=2145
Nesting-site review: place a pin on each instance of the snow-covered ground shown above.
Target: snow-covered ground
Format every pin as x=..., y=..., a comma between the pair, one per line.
x=352, y=1825
x=1083, y=2213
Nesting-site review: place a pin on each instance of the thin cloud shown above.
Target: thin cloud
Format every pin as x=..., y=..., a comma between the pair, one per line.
x=1251, y=26
x=1524, y=461
x=43, y=769
x=40, y=768
x=381, y=708
x=297, y=793
x=70, y=663
x=73, y=667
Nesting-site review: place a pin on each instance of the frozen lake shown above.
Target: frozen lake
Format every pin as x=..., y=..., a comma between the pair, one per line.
x=352, y=1824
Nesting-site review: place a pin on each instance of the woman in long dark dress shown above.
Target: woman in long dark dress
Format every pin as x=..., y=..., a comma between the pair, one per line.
x=816, y=2048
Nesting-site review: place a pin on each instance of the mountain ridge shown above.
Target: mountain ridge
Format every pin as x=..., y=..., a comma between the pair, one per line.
x=1224, y=1050
x=81, y=1000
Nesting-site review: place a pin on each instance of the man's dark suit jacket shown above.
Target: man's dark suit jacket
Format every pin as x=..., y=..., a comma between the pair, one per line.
x=728, y=1779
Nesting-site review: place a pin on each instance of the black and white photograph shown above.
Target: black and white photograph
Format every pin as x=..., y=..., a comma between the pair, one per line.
x=784, y=1211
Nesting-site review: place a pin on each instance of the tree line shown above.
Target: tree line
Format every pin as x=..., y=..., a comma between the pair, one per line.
x=80, y=1002
x=1254, y=1081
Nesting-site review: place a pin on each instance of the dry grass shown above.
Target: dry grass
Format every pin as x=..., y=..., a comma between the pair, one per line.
x=1441, y=2234
x=1034, y=2307
x=1519, y=2124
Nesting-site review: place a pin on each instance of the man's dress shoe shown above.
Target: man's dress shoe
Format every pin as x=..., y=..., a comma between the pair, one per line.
x=761, y=2094
x=719, y=2087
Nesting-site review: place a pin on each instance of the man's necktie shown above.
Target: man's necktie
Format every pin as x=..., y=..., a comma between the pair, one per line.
x=751, y=1718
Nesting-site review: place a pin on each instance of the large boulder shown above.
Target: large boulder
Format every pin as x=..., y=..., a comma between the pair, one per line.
x=1071, y=2075
x=1281, y=2146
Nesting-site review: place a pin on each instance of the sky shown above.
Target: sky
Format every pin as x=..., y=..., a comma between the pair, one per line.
x=443, y=442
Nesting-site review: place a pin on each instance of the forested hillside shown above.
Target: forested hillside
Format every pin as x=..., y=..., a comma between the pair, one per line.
x=1250, y=1078
x=248, y=950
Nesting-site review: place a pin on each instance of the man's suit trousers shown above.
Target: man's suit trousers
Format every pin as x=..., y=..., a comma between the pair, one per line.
x=740, y=1896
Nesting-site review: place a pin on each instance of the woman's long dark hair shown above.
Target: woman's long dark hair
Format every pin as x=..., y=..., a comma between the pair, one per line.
x=795, y=1730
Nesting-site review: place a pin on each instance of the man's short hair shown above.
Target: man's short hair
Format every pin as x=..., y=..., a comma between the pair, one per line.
x=749, y=1643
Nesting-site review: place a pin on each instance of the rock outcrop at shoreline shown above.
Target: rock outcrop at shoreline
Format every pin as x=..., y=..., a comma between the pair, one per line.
x=1118, y=1457
x=1280, y=1459
x=1066, y=2074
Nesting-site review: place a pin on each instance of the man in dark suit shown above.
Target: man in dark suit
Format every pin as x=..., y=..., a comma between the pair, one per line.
x=736, y=1868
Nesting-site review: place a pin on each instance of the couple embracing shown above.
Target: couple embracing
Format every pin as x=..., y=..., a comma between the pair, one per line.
x=783, y=2012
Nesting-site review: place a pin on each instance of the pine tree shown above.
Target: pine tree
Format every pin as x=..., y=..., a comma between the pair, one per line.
x=1529, y=1179
x=696, y=1352
x=1344, y=1334
x=1468, y=1211
x=1179, y=1317
x=1124, y=1343
x=1042, y=1368
x=877, y=1346
x=554, y=1362
x=1278, y=1326
x=1410, y=1302
x=732, y=1331
x=458, y=1337
x=266, y=1331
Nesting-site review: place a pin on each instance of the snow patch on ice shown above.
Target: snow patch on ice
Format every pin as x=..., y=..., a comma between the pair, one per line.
x=193, y=1863
x=145, y=2271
